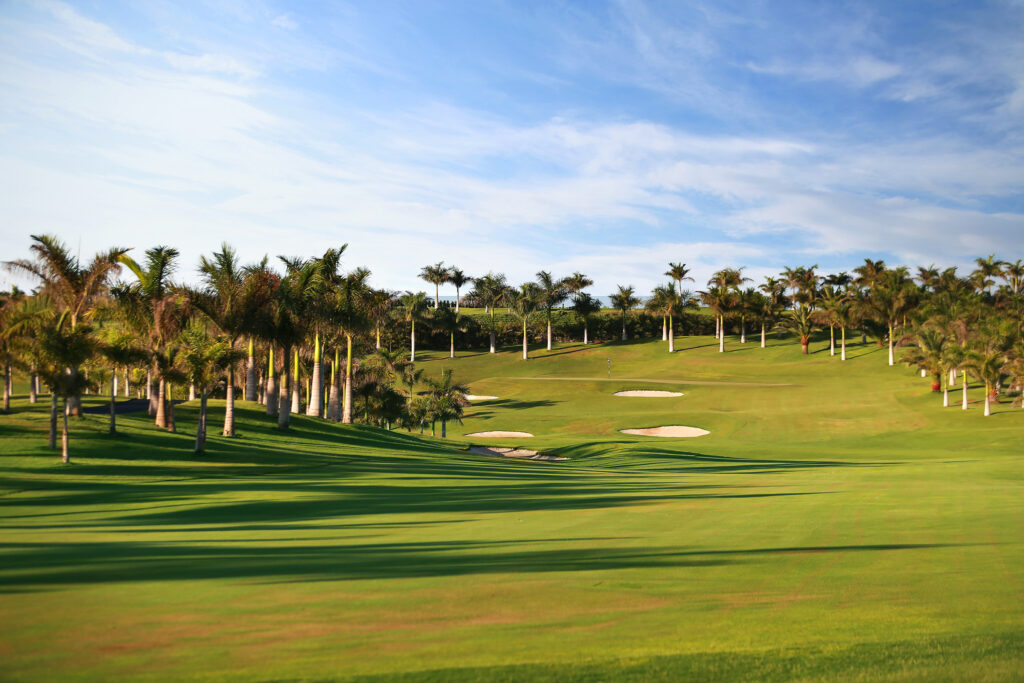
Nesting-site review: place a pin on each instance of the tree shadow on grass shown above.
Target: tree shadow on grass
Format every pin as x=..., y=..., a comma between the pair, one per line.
x=41, y=565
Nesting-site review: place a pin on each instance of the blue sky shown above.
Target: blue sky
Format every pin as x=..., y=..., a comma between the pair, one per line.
x=608, y=138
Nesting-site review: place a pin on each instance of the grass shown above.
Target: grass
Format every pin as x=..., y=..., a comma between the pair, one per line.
x=836, y=523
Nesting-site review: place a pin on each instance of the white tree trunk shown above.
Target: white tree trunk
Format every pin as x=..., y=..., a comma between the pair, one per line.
x=952, y=377
x=892, y=357
x=743, y=331
x=412, y=344
x=842, y=352
x=963, y=404
x=831, y=341
x=721, y=337
x=671, y=339
x=283, y=404
x=316, y=401
x=585, y=340
x=525, y=356
x=549, y=335
x=664, y=329
x=945, y=397
x=988, y=403
x=763, y=336
x=113, y=388
x=492, y=342
x=924, y=373
x=192, y=391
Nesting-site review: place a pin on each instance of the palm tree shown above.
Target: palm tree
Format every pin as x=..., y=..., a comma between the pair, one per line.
x=62, y=347
x=459, y=279
x=204, y=358
x=664, y=301
x=413, y=309
x=153, y=303
x=447, y=400
x=522, y=304
x=329, y=276
x=987, y=365
x=348, y=313
x=928, y=353
x=728, y=281
x=121, y=352
x=288, y=324
x=832, y=302
x=550, y=293
x=380, y=304
x=585, y=307
x=801, y=323
x=74, y=288
x=625, y=301
x=232, y=298
x=678, y=272
x=576, y=283
x=747, y=304
x=988, y=269
x=719, y=300
x=436, y=274
x=489, y=291
x=450, y=322
x=891, y=298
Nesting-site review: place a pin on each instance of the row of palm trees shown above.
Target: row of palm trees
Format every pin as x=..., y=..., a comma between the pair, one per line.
x=314, y=319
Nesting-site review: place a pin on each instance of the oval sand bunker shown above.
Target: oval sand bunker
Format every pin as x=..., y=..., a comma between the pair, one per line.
x=501, y=435
x=648, y=394
x=671, y=431
x=475, y=397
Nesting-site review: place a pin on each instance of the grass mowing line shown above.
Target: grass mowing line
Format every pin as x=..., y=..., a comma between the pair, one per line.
x=655, y=381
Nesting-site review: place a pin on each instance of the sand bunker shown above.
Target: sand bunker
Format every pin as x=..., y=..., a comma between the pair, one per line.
x=501, y=435
x=647, y=394
x=674, y=430
x=474, y=397
x=520, y=453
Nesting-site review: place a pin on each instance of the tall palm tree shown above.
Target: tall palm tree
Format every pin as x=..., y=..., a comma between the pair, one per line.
x=678, y=272
x=624, y=300
x=204, y=358
x=987, y=365
x=438, y=275
x=233, y=297
x=576, y=283
x=380, y=305
x=746, y=304
x=154, y=304
x=413, y=309
x=523, y=304
x=665, y=301
x=460, y=280
x=927, y=353
x=890, y=299
x=63, y=346
x=720, y=300
x=729, y=280
x=585, y=307
x=73, y=287
x=550, y=293
x=450, y=322
x=489, y=290
x=832, y=302
x=121, y=352
x=288, y=324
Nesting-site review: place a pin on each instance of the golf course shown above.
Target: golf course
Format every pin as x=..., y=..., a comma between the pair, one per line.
x=835, y=522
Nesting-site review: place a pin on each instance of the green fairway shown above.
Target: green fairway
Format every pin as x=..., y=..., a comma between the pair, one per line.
x=837, y=522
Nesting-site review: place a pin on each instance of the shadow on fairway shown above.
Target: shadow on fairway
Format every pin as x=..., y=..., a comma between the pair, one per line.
x=37, y=565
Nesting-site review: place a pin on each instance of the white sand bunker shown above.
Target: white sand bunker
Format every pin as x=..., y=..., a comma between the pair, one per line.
x=520, y=453
x=501, y=435
x=674, y=430
x=647, y=394
x=475, y=397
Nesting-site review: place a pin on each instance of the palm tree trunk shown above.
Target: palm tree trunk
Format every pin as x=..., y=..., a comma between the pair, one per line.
x=671, y=336
x=378, y=338
x=805, y=343
x=229, y=404
x=251, y=385
x=172, y=426
x=842, y=354
x=65, y=454
x=743, y=330
x=271, y=393
x=585, y=340
x=452, y=353
x=945, y=394
x=33, y=387
x=988, y=402
x=831, y=340
x=333, y=397
x=201, y=427
x=412, y=344
x=149, y=392
x=346, y=414
x=623, y=326
x=437, y=296
x=664, y=328
x=718, y=327
x=525, y=356
x=892, y=357
x=721, y=334
x=7, y=387
x=549, y=334
x=161, y=405
x=763, y=337
x=53, y=420
x=296, y=385
x=192, y=391
x=458, y=299
x=283, y=404
x=316, y=389
x=113, y=410
x=127, y=383
x=493, y=350
x=952, y=377
x=493, y=340
x=963, y=405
